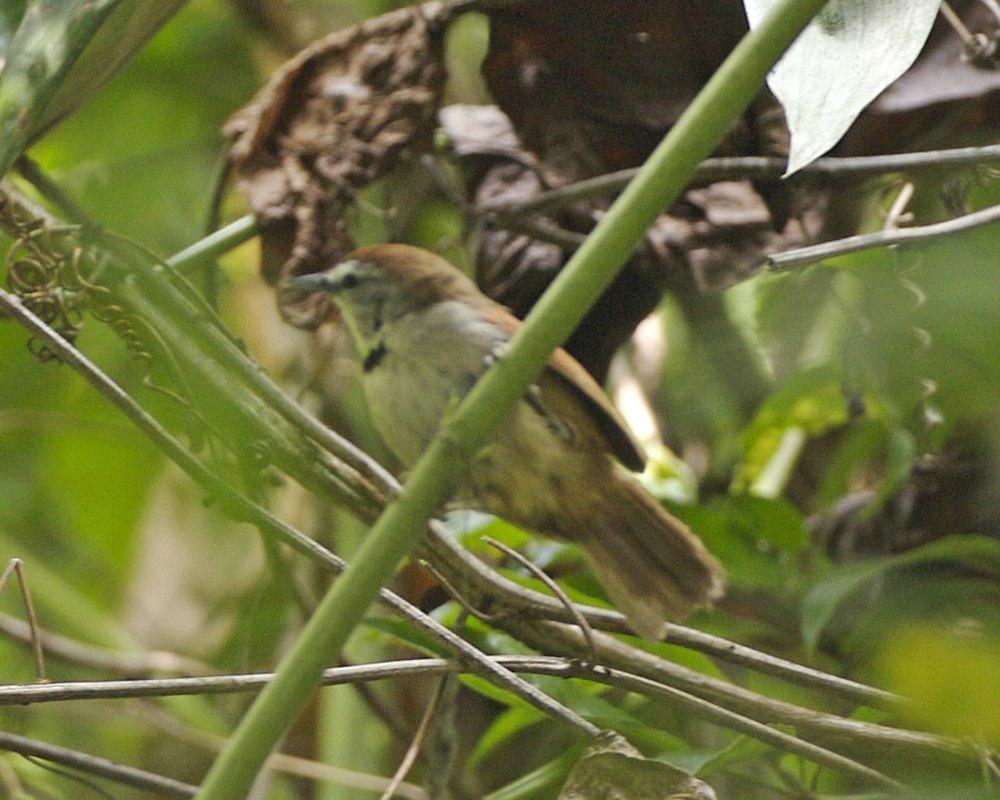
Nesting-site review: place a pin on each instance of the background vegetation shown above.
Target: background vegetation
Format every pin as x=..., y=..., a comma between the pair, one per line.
x=853, y=501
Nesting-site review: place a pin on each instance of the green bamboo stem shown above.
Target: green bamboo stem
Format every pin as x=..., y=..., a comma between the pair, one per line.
x=588, y=273
x=215, y=244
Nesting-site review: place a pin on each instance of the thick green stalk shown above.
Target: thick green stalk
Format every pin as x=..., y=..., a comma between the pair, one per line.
x=578, y=286
x=215, y=244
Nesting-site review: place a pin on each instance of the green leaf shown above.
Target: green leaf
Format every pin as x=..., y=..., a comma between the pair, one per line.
x=60, y=54
x=534, y=782
x=612, y=768
x=822, y=601
x=810, y=403
x=775, y=523
x=753, y=536
x=740, y=750
x=584, y=697
x=507, y=724
x=846, y=57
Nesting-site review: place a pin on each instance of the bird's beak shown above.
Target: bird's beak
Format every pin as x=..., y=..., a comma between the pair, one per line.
x=314, y=282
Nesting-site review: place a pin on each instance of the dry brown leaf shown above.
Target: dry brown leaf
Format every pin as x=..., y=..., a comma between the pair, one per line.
x=333, y=119
x=711, y=238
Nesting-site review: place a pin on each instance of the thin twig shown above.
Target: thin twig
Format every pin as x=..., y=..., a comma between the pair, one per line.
x=905, y=236
x=537, y=228
x=555, y=588
x=897, y=213
x=752, y=167
x=539, y=665
x=750, y=727
x=215, y=244
x=127, y=665
x=30, y=694
x=483, y=587
x=94, y=765
x=864, y=740
x=280, y=762
x=252, y=512
x=956, y=23
x=16, y=567
x=418, y=739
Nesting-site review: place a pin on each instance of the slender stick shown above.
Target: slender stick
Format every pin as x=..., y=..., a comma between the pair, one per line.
x=125, y=664
x=49, y=189
x=753, y=167
x=573, y=292
x=865, y=741
x=538, y=665
x=750, y=727
x=555, y=588
x=94, y=765
x=886, y=238
x=16, y=567
x=418, y=739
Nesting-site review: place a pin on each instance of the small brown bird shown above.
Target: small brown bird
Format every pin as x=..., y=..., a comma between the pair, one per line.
x=558, y=464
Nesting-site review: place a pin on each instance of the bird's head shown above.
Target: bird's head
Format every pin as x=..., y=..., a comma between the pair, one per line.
x=375, y=286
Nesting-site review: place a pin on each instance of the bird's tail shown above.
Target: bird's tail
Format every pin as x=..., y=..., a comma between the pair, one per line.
x=650, y=564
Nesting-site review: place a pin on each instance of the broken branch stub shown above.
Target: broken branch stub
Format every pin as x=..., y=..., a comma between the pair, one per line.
x=333, y=119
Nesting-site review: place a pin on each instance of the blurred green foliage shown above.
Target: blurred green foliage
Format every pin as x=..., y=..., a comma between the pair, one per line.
x=881, y=365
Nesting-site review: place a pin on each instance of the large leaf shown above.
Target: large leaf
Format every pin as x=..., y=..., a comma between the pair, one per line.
x=822, y=601
x=849, y=54
x=60, y=54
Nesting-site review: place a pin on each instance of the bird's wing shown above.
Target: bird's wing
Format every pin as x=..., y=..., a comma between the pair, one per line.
x=609, y=422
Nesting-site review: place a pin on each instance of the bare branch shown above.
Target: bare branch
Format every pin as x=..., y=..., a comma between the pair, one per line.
x=94, y=765
x=893, y=236
x=540, y=665
x=128, y=665
x=750, y=727
x=752, y=167
x=49, y=189
x=484, y=588
x=863, y=740
x=555, y=588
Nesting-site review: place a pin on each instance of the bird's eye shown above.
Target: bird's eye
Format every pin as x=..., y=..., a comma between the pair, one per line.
x=350, y=280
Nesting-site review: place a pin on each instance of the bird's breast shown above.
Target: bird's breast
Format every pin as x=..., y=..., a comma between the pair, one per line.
x=427, y=361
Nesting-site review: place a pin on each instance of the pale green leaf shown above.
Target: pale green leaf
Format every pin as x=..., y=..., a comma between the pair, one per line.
x=849, y=54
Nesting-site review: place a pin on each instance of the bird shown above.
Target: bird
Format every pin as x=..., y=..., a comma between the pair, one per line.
x=559, y=464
